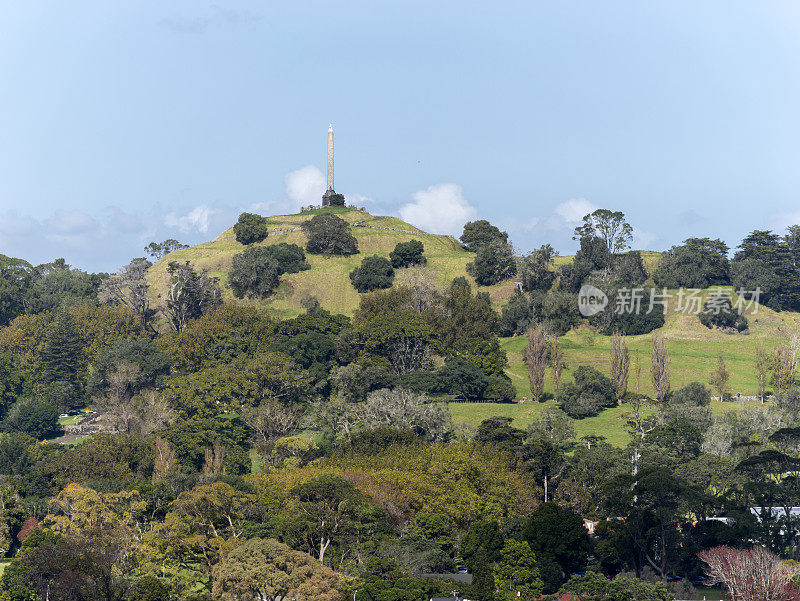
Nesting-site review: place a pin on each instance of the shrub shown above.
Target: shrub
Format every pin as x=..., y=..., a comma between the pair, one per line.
x=718, y=312
x=254, y=273
x=463, y=379
x=250, y=228
x=329, y=235
x=408, y=253
x=290, y=257
x=422, y=381
x=589, y=392
x=480, y=233
x=374, y=273
x=34, y=417
x=499, y=389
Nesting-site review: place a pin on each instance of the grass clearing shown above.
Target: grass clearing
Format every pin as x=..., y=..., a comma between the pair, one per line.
x=329, y=277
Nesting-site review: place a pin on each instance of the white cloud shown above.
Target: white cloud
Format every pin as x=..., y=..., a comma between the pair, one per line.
x=643, y=239
x=196, y=219
x=305, y=186
x=440, y=209
x=574, y=209
x=358, y=200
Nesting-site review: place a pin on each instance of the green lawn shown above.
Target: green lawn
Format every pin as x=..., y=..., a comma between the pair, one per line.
x=3, y=564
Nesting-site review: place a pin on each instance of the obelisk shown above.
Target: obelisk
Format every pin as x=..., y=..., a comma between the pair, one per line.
x=326, y=198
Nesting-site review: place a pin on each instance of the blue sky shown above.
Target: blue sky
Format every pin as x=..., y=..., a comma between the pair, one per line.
x=122, y=123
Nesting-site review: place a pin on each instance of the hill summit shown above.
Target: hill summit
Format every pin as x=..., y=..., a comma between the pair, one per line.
x=328, y=280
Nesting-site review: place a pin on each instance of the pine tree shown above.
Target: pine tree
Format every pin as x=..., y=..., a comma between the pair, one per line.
x=62, y=360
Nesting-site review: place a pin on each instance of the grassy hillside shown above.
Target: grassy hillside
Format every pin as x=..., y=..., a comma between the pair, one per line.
x=328, y=279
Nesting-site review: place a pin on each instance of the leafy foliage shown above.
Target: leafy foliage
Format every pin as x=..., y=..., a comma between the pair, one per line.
x=329, y=235
x=250, y=228
x=375, y=272
x=406, y=254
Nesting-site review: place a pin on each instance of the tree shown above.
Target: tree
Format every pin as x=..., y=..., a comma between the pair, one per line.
x=720, y=378
x=375, y=272
x=401, y=409
x=328, y=508
x=149, y=588
x=697, y=263
x=750, y=573
x=329, y=235
x=693, y=394
x=250, y=228
x=190, y=294
x=609, y=226
x=558, y=534
x=10, y=382
x=589, y=392
x=271, y=420
x=481, y=233
x=254, y=273
x=516, y=573
x=536, y=358
x=159, y=250
x=406, y=254
x=34, y=417
x=494, y=262
x=56, y=285
x=784, y=364
x=15, y=279
x=464, y=379
x=62, y=360
x=659, y=367
x=536, y=268
x=599, y=587
x=130, y=288
x=553, y=425
x=620, y=363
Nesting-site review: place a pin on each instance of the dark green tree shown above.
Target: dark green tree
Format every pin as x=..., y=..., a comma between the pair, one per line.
x=408, y=253
x=558, y=533
x=15, y=280
x=481, y=233
x=329, y=235
x=250, y=228
x=697, y=263
x=589, y=392
x=608, y=226
x=494, y=262
x=32, y=416
x=63, y=362
x=536, y=269
x=254, y=273
x=374, y=272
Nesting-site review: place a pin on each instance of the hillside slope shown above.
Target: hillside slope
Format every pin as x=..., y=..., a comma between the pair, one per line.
x=328, y=279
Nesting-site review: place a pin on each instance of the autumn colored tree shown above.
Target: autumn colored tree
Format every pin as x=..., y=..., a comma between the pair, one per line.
x=267, y=570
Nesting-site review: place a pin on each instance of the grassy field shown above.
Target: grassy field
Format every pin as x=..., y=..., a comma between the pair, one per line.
x=693, y=351
x=329, y=277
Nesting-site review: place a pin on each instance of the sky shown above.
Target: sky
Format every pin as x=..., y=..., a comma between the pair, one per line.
x=123, y=123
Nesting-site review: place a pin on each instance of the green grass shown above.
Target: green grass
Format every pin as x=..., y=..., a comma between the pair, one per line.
x=329, y=277
x=3, y=564
x=70, y=420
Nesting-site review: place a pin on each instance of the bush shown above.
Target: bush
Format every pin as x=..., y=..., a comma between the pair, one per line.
x=329, y=235
x=463, y=379
x=425, y=381
x=718, y=312
x=693, y=393
x=589, y=392
x=406, y=254
x=336, y=200
x=374, y=273
x=250, y=228
x=697, y=263
x=254, y=273
x=34, y=417
x=499, y=389
x=481, y=233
